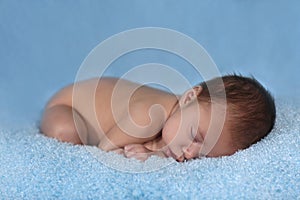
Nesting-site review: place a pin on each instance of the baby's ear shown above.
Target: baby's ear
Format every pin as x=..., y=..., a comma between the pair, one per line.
x=198, y=89
x=190, y=95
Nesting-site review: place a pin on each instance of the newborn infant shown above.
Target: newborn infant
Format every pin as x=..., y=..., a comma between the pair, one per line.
x=139, y=121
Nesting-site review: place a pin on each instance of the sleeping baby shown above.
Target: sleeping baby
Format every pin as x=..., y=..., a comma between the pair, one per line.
x=139, y=121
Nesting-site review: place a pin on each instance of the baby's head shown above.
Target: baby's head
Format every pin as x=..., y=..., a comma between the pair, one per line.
x=250, y=116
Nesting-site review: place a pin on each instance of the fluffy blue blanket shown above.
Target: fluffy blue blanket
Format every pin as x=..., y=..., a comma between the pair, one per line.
x=33, y=166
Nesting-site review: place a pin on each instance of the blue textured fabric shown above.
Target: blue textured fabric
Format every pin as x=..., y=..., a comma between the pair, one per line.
x=43, y=43
x=33, y=166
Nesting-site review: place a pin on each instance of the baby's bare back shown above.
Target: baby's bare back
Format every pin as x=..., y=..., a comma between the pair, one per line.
x=118, y=109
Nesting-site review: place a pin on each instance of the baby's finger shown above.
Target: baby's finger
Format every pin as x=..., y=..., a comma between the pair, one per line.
x=129, y=154
x=138, y=156
x=119, y=151
x=141, y=156
x=128, y=147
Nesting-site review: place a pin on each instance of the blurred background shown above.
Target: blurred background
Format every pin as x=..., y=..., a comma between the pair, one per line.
x=43, y=43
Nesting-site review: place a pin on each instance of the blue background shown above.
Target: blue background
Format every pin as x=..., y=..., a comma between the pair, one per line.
x=43, y=43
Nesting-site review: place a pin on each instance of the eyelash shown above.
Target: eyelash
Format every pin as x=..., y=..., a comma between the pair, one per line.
x=192, y=135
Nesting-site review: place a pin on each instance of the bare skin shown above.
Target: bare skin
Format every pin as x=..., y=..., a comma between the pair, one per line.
x=147, y=124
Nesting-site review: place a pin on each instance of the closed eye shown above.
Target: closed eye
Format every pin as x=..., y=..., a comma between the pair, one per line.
x=196, y=136
x=200, y=136
x=193, y=134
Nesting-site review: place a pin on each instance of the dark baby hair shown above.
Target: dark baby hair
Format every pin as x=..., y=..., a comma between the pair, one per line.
x=250, y=111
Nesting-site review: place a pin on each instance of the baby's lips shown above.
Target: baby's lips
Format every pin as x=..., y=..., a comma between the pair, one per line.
x=188, y=154
x=180, y=158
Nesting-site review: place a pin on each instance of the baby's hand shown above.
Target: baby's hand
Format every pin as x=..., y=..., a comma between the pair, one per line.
x=119, y=151
x=137, y=151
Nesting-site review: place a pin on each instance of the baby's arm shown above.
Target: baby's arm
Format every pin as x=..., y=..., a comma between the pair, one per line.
x=139, y=148
x=117, y=138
